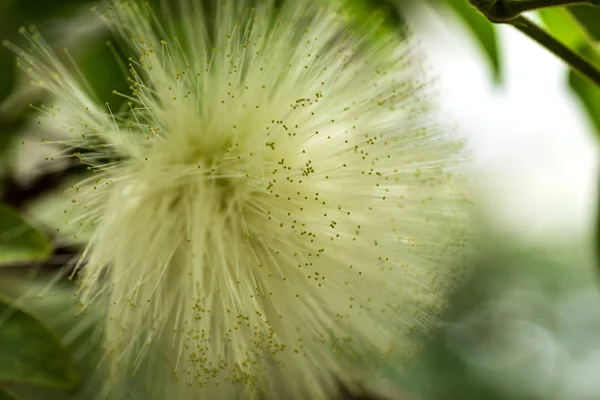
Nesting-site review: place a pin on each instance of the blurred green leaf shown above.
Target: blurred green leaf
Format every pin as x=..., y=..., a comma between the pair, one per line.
x=13, y=14
x=392, y=15
x=7, y=83
x=10, y=123
x=32, y=11
x=6, y=396
x=589, y=18
x=31, y=353
x=589, y=95
x=484, y=31
x=7, y=66
x=568, y=29
x=101, y=69
x=19, y=241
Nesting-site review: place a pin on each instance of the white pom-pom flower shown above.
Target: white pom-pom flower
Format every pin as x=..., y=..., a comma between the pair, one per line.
x=273, y=201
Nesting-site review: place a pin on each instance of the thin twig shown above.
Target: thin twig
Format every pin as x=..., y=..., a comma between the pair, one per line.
x=509, y=12
x=574, y=60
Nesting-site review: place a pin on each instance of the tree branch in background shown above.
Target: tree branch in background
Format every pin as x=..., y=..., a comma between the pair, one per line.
x=508, y=12
x=576, y=62
x=504, y=11
x=17, y=195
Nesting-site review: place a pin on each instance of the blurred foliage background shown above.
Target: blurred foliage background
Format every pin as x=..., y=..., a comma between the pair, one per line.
x=525, y=325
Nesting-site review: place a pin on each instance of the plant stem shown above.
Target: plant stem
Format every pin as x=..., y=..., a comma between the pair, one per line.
x=515, y=8
x=574, y=60
x=509, y=12
x=504, y=11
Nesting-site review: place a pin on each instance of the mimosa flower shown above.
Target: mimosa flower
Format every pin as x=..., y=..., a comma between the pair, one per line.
x=275, y=202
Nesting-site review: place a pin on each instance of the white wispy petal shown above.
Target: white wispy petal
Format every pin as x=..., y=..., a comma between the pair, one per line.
x=275, y=200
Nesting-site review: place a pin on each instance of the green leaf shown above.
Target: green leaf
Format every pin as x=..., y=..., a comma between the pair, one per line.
x=386, y=8
x=564, y=26
x=384, y=15
x=19, y=241
x=102, y=81
x=30, y=353
x=589, y=94
x=6, y=396
x=588, y=17
x=568, y=29
x=34, y=11
x=7, y=66
x=484, y=31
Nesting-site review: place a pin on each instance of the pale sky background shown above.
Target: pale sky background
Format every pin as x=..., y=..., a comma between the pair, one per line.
x=535, y=152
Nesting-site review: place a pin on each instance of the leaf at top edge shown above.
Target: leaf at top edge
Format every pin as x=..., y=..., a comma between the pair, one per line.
x=30, y=353
x=589, y=18
x=19, y=241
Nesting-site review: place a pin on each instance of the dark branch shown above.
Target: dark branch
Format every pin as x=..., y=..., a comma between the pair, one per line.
x=509, y=12
x=576, y=62
x=505, y=11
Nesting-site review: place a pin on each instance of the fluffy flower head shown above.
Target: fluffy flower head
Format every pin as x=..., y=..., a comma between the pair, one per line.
x=273, y=199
